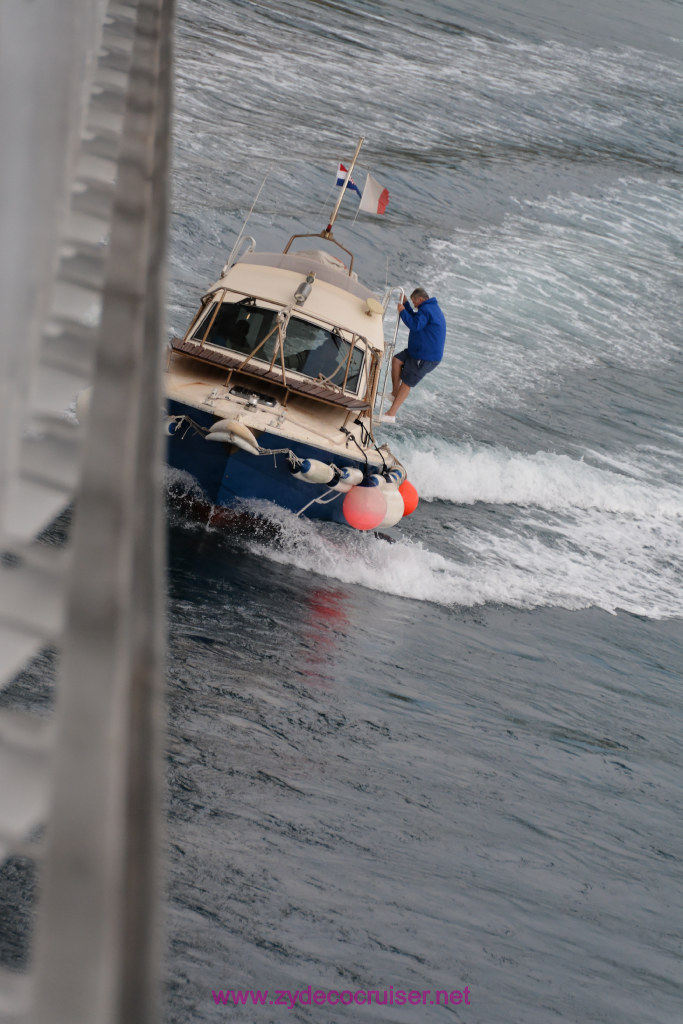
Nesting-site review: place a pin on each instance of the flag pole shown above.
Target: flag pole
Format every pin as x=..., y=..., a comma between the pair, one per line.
x=327, y=233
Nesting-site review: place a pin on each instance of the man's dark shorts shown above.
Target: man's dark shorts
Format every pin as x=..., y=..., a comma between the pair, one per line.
x=413, y=369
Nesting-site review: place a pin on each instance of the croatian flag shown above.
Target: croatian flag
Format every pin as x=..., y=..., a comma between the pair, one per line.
x=351, y=185
x=375, y=197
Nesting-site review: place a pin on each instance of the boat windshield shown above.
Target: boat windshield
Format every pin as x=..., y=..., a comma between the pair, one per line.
x=308, y=348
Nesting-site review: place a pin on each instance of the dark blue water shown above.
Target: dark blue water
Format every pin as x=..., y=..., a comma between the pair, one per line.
x=453, y=760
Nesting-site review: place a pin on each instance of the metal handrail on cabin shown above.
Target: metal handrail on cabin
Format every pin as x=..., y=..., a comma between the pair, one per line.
x=236, y=254
x=328, y=237
x=304, y=386
x=389, y=352
x=313, y=317
x=223, y=290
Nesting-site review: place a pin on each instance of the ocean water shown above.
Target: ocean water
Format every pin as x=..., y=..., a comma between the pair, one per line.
x=452, y=761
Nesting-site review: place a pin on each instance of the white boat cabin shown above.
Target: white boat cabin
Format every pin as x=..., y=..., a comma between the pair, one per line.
x=300, y=319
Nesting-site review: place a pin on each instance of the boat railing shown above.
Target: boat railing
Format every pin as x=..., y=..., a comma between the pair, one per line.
x=239, y=251
x=323, y=390
x=223, y=290
x=389, y=350
x=328, y=237
x=219, y=296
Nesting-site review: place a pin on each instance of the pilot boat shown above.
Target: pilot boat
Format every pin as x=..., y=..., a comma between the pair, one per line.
x=271, y=393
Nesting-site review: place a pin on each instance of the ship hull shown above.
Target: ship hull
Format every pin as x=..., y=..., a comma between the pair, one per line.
x=228, y=476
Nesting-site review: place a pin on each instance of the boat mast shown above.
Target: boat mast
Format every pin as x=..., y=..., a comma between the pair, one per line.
x=327, y=233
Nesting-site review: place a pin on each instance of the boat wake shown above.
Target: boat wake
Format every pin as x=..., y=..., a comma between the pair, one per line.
x=551, y=532
x=466, y=473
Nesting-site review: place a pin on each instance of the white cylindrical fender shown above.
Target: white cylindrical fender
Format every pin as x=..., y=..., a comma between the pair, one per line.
x=349, y=477
x=396, y=475
x=315, y=472
x=391, y=481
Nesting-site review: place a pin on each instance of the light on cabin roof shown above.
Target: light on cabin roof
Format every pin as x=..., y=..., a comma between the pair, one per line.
x=304, y=289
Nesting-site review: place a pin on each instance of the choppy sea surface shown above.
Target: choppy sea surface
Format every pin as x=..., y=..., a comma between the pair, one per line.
x=452, y=761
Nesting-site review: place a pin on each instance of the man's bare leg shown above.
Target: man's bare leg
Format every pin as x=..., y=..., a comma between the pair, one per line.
x=396, y=367
x=399, y=399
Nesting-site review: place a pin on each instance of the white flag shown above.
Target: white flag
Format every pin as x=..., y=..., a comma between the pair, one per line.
x=375, y=196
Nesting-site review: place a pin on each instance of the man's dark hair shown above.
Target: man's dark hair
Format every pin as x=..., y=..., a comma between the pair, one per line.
x=419, y=293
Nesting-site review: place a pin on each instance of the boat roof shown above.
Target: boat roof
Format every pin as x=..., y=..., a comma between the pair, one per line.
x=338, y=299
x=327, y=268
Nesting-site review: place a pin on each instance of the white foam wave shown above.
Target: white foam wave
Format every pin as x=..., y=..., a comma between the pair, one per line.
x=569, y=534
x=181, y=481
x=589, y=559
x=465, y=474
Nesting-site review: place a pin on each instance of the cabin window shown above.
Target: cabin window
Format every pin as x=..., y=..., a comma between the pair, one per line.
x=308, y=348
x=238, y=326
x=317, y=352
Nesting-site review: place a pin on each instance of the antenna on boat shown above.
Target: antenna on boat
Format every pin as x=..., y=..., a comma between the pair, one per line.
x=327, y=233
x=246, y=219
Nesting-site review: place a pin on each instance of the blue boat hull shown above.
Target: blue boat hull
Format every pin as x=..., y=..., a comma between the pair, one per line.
x=228, y=475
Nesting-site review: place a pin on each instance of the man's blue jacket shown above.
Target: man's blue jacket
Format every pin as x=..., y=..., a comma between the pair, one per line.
x=427, y=331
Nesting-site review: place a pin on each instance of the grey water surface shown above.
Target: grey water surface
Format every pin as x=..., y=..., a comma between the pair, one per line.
x=452, y=761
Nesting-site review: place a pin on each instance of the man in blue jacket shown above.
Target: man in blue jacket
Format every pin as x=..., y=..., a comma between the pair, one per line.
x=426, y=342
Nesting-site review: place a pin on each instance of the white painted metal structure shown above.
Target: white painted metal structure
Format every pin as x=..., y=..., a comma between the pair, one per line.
x=84, y=110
